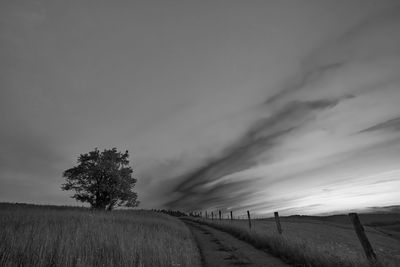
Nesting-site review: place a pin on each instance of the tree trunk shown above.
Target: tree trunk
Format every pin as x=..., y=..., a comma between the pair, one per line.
x=99, y=206
x=111, y=205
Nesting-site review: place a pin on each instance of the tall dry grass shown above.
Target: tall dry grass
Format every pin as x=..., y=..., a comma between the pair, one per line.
x=311, y=243
x=46, y=236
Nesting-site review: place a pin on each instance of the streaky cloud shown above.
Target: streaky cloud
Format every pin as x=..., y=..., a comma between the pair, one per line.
x=389, y=125
x=262, y=136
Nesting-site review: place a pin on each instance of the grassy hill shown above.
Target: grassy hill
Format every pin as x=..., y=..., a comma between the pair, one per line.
x=34, y=235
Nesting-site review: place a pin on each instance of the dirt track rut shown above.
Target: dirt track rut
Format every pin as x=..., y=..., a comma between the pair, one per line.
x=221, y=249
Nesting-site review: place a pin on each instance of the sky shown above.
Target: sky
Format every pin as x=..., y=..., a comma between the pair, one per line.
x=289, y=106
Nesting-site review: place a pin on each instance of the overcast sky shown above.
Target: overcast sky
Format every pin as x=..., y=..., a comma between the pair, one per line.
x=261, y=105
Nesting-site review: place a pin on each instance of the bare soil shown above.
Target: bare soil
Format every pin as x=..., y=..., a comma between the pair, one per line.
x=221, y=249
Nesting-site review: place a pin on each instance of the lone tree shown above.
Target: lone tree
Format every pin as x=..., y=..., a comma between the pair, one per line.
x=103, y=179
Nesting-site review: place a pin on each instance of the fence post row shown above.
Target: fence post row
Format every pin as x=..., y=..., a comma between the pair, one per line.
x=278, y=222
x=248, y=216
x=369, y=252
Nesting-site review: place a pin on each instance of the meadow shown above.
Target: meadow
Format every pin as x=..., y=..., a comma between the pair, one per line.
x=324, y=241
x=63, y=236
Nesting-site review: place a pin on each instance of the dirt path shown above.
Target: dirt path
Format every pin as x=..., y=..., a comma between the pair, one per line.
x=221, y=249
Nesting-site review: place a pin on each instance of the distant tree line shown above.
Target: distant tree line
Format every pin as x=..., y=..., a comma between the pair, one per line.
x=175, y=213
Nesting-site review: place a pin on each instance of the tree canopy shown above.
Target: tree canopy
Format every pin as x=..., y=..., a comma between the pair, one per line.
x=102, y=179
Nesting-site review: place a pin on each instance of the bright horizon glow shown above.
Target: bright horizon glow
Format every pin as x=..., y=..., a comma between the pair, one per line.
x=380, y=188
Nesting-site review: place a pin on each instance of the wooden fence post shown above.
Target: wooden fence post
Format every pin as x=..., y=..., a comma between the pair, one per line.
x=248, y=216
x=219, y=215
x=278, y=222
x=369, y=252
x=206, y=215
x=231, y=216
x=212, y=215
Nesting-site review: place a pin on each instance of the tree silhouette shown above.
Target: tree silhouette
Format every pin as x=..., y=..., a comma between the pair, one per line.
x=103, y=179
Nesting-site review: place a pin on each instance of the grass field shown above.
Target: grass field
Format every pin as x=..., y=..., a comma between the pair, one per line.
x=61, y=236
x=317, y=242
